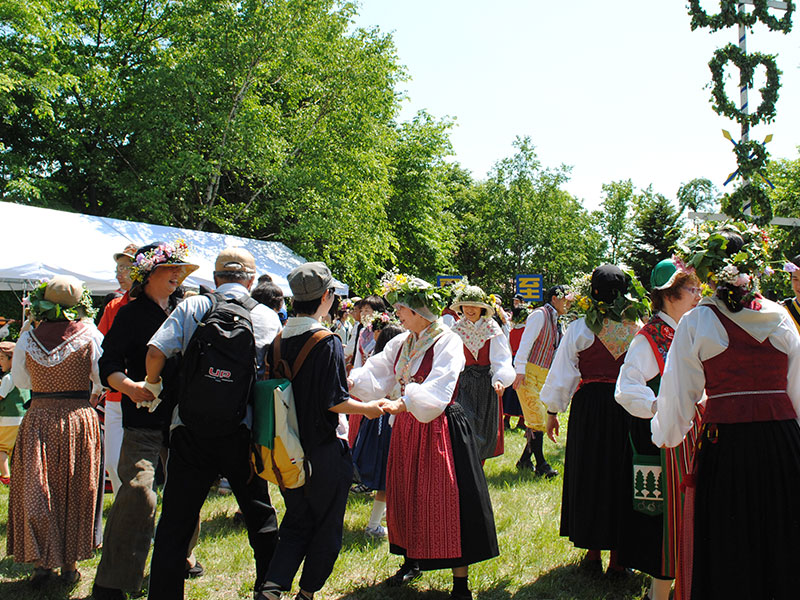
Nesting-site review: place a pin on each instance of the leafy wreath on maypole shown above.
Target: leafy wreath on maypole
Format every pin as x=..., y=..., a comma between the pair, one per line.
x=729, y=15
x=751, y=156
x=747, y=64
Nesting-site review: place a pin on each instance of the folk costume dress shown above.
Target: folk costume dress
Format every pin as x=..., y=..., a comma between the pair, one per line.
x=438, y=508
x=651, y=541
x=584, y=371
x=537, y=348
x=746, y=523
x=55, y=468
x=488, y=360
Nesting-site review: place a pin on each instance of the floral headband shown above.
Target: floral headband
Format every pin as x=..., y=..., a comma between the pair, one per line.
x=163, y=254
x=630, y=306
x=382, y=320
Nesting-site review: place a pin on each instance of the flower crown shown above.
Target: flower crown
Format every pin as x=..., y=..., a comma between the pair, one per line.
x=163, y=254
x=346, y=304
x=472, y=293
x=630, y=306
x=45, y=310
x=382, y=320
x=415, y=293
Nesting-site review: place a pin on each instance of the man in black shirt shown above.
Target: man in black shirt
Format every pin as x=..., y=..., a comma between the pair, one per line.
x=311, y=528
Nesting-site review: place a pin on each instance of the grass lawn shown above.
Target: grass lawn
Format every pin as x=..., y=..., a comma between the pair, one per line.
x=534, y=561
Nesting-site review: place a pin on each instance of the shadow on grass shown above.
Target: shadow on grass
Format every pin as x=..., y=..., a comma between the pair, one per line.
x=563, y=583
x=22, y=590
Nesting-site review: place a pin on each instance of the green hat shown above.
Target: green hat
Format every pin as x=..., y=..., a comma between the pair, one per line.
x=663, y=274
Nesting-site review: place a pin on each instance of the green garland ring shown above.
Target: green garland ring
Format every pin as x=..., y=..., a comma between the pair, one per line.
x=747, y=64
x=732, y=205
x=729, y=16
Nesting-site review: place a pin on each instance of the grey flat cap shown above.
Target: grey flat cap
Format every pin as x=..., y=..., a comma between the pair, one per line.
x=310, y=280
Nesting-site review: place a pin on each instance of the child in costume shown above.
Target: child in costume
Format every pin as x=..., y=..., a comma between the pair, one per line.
x=12, y=410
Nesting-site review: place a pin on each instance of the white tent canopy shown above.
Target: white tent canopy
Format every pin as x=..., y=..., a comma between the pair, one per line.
x=40, y=243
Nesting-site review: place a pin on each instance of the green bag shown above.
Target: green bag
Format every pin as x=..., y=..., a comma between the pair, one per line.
x=648, y=483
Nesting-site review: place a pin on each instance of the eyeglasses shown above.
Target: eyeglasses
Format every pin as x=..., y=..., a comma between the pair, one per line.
x=694, y=290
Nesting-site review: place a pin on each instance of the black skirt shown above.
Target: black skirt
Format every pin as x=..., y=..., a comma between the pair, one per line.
x=479, y=400
x=478, y=533
x=511, y=405
x=641, y=535
x=595, y=471
x=747, y=521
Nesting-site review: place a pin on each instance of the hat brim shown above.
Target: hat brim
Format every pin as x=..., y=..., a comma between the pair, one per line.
x=119, y=255
x=669, y=281
x=456, y=306
x=186, y=269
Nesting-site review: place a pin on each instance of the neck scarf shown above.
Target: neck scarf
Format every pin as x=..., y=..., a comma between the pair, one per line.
x=475, y=335
x=416, y=346
x=616, y=336
x=366, y=342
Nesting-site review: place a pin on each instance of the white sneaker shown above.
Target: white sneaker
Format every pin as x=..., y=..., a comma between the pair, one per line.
x=375, y=532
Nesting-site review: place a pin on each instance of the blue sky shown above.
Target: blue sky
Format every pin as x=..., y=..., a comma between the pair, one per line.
x=616, y=89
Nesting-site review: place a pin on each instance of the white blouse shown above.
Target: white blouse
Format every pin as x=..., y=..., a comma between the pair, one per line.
x=700, y=336
x=640, y=366
x=500, y=357
x=564, y=375
x=426, y=400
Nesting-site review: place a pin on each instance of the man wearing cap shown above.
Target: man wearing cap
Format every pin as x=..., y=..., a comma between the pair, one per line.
x=311, y=529
x=194, y=463
x=113, y=413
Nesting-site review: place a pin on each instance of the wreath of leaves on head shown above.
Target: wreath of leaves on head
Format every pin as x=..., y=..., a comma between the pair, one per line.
x=729, y=16
x=757, y=197
x=747, y=64
x=45, y=310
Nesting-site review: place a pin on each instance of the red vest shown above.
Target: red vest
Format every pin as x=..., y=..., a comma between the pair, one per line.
x=483, y=356
x=747, y=381
x=597, y=364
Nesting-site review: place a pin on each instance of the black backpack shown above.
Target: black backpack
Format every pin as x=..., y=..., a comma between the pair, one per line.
x=218, y=369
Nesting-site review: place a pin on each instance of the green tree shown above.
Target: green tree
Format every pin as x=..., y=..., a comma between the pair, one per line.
x=657, y=228
x=614, y=217
x=699, y=194
x=521, y=221
x=419, y=207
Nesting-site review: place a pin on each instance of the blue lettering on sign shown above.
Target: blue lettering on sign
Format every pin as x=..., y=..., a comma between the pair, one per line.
x=530, y=287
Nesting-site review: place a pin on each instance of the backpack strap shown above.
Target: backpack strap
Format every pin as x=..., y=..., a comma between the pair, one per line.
x=317, y=336
x=281, y=367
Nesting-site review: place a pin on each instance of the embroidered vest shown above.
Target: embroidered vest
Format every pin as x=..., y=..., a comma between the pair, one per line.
x=747, y=381
x=544, y=347
x=659, y=334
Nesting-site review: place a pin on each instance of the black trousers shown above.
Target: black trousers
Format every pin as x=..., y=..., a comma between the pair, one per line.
x=193, y=465
x=311, y=528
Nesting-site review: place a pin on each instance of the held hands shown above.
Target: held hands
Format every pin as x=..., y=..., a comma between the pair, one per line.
x=138, y=392
x=552, y=428
x=154, y=391
x=372, y=410
x=498, y=388
x=518, y=381
x=392, y=407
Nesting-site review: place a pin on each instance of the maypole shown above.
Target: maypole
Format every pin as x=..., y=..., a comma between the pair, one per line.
x=751, y=156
